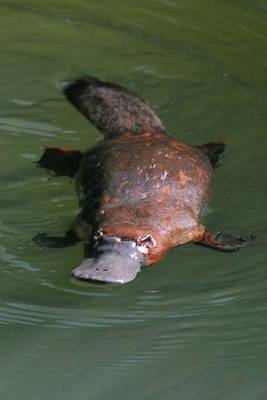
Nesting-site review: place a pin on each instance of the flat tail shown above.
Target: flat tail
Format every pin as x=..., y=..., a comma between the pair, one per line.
x=111, y=108
x=61, y=161
x=215, y=151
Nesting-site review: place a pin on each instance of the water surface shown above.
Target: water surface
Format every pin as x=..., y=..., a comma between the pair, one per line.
x=194, y=326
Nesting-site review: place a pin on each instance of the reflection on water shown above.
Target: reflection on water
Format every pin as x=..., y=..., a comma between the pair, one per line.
x=192, y=327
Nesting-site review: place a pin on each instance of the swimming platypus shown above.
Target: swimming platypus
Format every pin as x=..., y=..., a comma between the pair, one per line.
x=140, y=191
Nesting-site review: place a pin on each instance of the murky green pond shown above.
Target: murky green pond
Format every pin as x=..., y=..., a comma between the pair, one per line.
x=193, y=327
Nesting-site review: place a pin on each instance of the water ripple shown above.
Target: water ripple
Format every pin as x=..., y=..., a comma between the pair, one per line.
x=22, y=127
x=14, y=261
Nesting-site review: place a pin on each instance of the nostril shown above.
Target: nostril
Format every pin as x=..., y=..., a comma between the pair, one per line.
x=101, y=269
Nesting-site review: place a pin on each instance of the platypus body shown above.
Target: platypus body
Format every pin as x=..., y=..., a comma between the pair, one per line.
x=140, y=191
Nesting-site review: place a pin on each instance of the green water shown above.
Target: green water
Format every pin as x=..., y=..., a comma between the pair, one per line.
x=194, y=326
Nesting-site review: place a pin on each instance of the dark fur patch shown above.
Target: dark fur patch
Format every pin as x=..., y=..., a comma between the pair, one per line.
x=112, y=109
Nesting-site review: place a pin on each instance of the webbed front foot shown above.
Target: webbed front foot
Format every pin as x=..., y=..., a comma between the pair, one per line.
x=43, y=240
x=222, y=241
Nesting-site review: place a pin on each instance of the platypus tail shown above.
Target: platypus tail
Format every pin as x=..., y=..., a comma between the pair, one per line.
x=111, y=108
x=214, y=150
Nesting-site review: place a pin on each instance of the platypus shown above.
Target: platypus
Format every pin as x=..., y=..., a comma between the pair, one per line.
x=140, y=191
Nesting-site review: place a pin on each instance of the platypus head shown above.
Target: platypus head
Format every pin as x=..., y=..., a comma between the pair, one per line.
x=111, y=260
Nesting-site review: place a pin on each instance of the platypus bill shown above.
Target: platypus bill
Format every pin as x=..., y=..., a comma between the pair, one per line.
x=140, y=191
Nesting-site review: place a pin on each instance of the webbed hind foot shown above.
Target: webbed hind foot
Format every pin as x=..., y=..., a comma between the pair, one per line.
x=61, y=161
x=225, y=242
x=214, y=151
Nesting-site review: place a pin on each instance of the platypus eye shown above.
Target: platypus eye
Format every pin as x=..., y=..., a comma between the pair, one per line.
x=147, y=241
x=98, y=234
